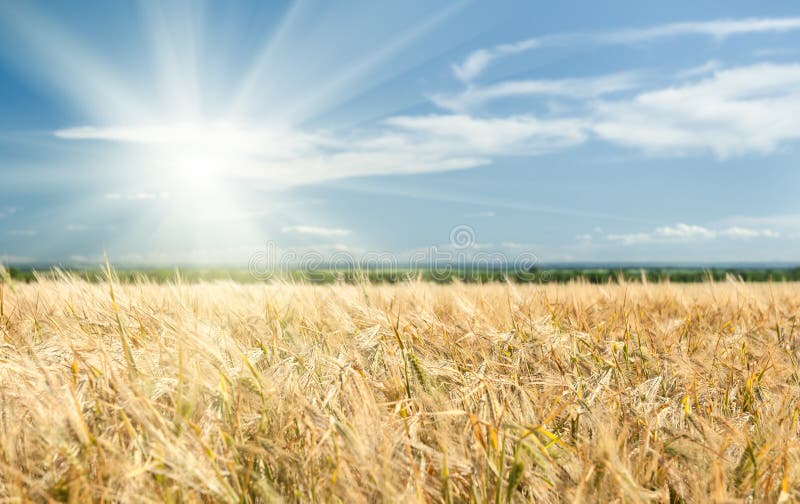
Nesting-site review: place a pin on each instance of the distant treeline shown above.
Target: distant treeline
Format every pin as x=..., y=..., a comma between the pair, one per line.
x=445, y=275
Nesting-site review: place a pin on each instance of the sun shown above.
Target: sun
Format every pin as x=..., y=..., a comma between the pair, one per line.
x=194, y=160
x=206, y=167
x=200, y=152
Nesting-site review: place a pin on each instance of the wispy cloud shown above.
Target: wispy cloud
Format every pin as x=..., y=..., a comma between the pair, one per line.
x=491, y=136
x=706, y=68
x=219, y=138
x=477, y=61
x=786, y=225
x=579, y=88
x=687, y=233
x=720, y=29
x=316, y=231
x=7, y=212
x=744, y=233
x=517, y=246
x=784, y=221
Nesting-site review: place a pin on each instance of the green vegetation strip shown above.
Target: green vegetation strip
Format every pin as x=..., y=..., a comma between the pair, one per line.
x=468, y=275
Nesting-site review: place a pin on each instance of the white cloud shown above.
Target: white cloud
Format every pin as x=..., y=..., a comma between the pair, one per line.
x=477, y=61
x=727, y=112
x=7, y=212
x=734, y=112
x=742, y=232
x=316, y=231
x=786, y=226
x=576, y=88
x=686, y=233
x=584, y=237
x=517, y=245
x=399, y=145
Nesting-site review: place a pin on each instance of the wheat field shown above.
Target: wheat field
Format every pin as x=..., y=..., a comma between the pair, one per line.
x=416, y=392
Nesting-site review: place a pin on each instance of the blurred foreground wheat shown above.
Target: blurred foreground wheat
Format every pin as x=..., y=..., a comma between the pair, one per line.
x=413, y=392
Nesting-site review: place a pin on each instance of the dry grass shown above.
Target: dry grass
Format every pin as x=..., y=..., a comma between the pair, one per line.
x=415, y=392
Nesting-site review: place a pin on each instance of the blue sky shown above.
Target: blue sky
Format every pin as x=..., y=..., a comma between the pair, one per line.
x=198, y=132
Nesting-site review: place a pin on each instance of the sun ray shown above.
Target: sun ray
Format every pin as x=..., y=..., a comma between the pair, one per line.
x=349, y=80
x=175, y=38
x=264, y=63
x=72, y=69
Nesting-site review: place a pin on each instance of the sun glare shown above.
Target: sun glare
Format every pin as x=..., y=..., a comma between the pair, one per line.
x=196, y=160
x=197, y=154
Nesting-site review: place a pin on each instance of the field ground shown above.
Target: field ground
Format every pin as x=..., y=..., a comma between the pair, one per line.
x=405, y=392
